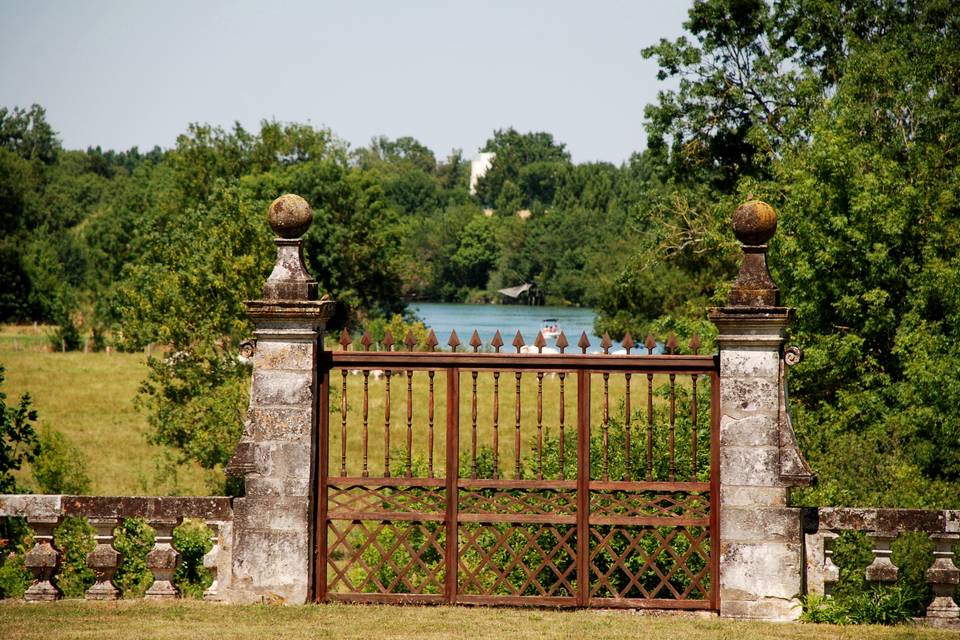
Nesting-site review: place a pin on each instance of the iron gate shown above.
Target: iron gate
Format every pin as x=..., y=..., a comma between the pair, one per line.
x=505, y=478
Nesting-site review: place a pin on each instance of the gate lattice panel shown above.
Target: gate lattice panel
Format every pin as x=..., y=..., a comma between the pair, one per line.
x=522, y=478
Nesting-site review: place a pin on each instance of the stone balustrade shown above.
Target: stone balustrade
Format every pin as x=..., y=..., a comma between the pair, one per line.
x=823, y=526
x=44, y=513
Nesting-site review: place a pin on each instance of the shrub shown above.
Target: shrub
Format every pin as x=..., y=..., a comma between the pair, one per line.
x=15, y=541
x=60, y=467
x=74, y=539
x=192, y=540
x=133, y=539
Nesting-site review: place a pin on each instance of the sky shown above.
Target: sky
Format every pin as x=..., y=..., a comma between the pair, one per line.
x=126, y=72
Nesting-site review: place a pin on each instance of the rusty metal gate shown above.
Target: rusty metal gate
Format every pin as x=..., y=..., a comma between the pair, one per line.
x=550, y=479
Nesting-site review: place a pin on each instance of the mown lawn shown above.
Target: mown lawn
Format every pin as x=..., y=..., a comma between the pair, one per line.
x=192, y=620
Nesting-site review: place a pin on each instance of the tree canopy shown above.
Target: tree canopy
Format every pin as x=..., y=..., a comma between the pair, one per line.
x=845, y=116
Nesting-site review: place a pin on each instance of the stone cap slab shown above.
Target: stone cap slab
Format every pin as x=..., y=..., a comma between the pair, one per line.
x=153, y=508
x=880, y=520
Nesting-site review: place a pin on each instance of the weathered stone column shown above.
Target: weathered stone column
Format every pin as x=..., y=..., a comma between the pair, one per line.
x=760, y=537
x=272, y=530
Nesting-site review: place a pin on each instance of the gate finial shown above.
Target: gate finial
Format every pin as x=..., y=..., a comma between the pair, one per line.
x=290, y=216
x=754, y=223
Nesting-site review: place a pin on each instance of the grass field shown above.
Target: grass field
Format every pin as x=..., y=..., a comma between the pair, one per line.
x=89, y=398
x=192, y=620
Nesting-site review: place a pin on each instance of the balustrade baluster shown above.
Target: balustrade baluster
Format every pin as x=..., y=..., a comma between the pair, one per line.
x=211, y=562
x=943, y=577
x=42, y=560
x=103, y=560
x=163, y=560
x=831, y=572
x=881, y=569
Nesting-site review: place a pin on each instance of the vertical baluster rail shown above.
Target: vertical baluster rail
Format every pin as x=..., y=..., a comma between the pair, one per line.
x=628, y=457
x=606, y=426
x=343, y=423
x=563, y=413
x=386, y=423
x=693, y=428
x=430, y=375
x=496, y=424
x=649, y=427
x=366, y=420
x=539, y=425
x=473, y=426
x=672, y=429
x=516, y=437
x=409, y=423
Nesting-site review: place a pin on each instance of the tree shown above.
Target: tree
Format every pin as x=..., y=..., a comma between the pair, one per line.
x=516, y=151
x=844, y=117
x=19, y=442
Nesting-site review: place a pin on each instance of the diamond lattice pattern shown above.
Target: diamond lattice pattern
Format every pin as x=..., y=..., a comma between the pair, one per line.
x=649, y=562
x=517, y=560
x=385, y=557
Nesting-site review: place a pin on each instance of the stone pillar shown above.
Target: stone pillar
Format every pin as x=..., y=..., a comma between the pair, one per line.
x=761, y=550
x=272, y=531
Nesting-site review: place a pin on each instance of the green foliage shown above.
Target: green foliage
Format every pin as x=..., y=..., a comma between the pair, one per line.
x=855, y=601
x=16, y=540
x=876, y=605
x=19, y=442
x=74, y=539
x=134, y=540
x=14, y=577
x=60, y=467
x=192, y=540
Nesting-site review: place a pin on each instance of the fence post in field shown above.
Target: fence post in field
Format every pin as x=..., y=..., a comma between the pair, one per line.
x=273, y=522
x=760, y=536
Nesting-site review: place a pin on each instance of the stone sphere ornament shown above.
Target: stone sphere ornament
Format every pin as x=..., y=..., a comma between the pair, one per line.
x=290, y=216
x=754, y=223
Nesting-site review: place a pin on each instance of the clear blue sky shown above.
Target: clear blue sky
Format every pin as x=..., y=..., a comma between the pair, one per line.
x=128, y=72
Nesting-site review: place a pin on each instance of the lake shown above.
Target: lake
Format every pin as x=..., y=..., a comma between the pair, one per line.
x=508, y=318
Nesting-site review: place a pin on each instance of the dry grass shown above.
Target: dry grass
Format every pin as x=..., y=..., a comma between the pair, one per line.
x=192, y=620
x=89, y=398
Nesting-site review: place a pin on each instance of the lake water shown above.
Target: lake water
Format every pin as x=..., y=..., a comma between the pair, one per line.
x=508, y=318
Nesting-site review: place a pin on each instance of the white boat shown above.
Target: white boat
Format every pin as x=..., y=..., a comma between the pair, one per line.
x=551, y=329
